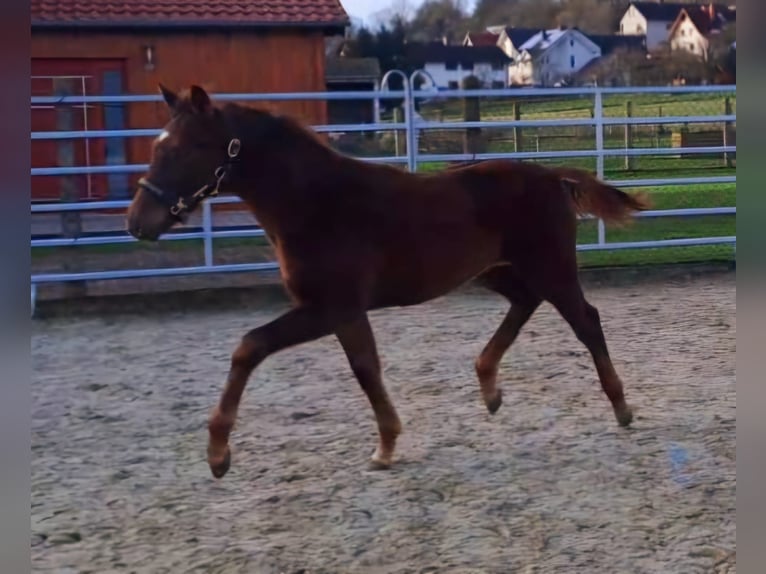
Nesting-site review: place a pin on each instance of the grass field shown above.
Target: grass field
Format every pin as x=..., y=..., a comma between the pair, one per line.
x=530, y=108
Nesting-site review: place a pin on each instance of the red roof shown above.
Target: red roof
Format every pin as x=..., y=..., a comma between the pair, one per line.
x=179, y=13
x=707, y=17
x=482, y=38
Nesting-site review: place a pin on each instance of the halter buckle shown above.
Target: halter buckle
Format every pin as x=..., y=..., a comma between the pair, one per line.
x=178, y=207
x=234, y=146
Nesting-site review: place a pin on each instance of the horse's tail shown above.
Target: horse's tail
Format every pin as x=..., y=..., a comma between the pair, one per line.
x=592, y=196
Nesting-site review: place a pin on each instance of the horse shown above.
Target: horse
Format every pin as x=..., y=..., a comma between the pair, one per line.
x=352, y=236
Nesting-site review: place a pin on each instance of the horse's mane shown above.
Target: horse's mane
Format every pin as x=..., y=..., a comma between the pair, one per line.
x=282, y=128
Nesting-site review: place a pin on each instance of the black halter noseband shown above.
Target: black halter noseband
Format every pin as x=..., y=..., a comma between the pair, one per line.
x=178, y=205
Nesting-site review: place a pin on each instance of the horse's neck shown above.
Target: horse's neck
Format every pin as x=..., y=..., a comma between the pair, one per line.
x=280, y=179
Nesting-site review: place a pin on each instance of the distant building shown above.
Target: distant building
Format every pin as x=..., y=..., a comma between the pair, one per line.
x=448, y=65
x=695, y=26
x=650, y=19
x=549, y=57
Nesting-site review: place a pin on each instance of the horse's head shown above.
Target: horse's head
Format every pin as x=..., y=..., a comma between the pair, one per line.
x=188, y=161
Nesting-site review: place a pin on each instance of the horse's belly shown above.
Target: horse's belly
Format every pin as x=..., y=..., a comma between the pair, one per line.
x=423, y=274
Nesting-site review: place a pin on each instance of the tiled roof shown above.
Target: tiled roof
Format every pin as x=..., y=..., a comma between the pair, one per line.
x=481, y=38
x=436, y=52
x=176, y=13
x=611, y=42
x=541, y=41
x=707, y=20
x=520, y=35
x=344, y=69
x=660, y=11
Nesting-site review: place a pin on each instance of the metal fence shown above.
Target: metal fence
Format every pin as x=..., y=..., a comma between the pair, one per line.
x=414, y=126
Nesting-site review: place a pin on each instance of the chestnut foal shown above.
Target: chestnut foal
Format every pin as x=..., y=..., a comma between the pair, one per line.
x=352, y=236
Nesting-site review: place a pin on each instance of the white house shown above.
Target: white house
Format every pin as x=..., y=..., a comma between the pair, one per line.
x=650, y=19
x=551, y=56
x=510, y=39
x=448, y=65
x=694, y=26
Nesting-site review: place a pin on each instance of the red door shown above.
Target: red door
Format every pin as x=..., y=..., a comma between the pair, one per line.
x=57, y=77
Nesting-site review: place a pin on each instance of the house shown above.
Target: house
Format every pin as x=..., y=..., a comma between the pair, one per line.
x=650, y=19
x=485, y=38
x=696, y=25
x=549, y=57
x=448, y=65
x=344, y=73
x=93, y=47
x=510, y=39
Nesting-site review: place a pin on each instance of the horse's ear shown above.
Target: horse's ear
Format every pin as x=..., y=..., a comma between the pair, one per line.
x=171, y=98
x=199, y=99
x=570, y=185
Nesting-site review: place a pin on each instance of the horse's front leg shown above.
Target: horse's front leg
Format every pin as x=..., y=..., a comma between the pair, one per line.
x=358, y=342
x=297, y=326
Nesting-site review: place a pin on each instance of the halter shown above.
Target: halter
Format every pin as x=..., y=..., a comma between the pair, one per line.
x=179, y=205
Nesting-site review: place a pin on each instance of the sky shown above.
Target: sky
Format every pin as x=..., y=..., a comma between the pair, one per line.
x=365, y=10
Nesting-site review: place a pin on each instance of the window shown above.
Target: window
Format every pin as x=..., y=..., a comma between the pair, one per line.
x=622, y=28
x=639, y=29
x=691, y=47
x=572, y=61
x=497, y=84
x=571, y=42
x=452, y=85
x=683, y=32
x=450, y=65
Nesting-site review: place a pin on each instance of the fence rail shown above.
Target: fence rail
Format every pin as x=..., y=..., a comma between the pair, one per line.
x=413, y=128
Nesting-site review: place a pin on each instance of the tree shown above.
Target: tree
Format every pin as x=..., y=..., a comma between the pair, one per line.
x=493, y=13
x=436, y=20
x=594, y=16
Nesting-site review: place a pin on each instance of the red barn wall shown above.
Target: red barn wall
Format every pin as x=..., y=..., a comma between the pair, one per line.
x=241, y=61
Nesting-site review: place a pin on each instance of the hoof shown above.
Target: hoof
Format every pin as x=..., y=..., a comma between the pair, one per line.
x=494, y=403
x=379, y=462
x=376, y=464
x=220, y=468
x=624, y=416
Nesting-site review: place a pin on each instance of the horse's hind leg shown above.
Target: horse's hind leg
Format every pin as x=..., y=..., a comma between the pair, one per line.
x=505, y=281
x=586, y=323
x=358, y=342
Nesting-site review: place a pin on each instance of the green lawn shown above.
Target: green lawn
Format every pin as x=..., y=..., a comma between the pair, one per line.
x=643, y=229
x=572, y=107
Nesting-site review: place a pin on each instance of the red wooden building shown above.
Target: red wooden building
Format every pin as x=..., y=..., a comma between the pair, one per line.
x=92, y=47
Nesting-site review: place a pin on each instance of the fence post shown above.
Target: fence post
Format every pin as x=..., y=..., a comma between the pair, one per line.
x=207, y=229
x=628, y=135
x=412, y=139
x=71, y=221
x=408, y=111
x=472, y=142
x=396, y=132
x=517, y=141
x=726, y=125
x=598, y=117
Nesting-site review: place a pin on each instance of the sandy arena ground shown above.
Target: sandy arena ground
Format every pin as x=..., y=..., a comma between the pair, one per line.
x=550, y=484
